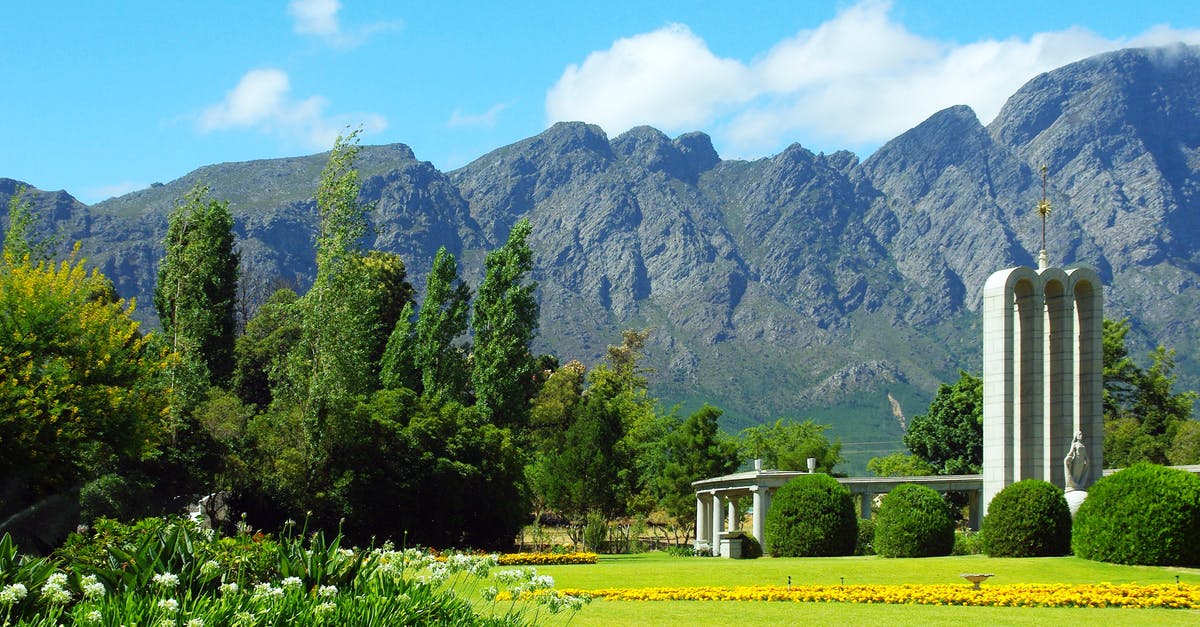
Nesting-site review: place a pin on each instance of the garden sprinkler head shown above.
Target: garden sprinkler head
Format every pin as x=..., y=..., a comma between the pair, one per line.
x=843, y=580
x=790, y=581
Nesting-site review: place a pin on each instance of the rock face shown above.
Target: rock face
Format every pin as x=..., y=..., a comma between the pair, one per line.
x=800, y=284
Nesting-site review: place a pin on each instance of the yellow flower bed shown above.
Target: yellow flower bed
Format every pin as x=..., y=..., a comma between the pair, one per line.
x=546, y=559
x=1180, y=596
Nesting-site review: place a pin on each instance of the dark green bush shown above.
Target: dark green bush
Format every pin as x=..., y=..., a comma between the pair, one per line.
x=914, y=521
x=812, y=516
x=1029, y=518
x=866, y=537
x=1144, y=514
x=751, y=547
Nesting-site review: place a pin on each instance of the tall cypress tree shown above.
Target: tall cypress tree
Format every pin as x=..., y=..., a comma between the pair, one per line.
x=197, y=291
x=441, y=320
x=505, y=321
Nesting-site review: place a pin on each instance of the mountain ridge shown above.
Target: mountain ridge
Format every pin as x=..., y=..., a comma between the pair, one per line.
x=799, y=284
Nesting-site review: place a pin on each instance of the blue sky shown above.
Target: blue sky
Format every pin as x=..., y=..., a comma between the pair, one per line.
x=106, y=97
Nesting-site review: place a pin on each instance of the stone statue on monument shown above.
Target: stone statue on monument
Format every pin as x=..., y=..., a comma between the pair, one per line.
x=1076, y=465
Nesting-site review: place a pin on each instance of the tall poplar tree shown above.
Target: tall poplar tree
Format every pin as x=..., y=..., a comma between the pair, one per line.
x=340, y=322
x=441, y=320
x=505, y=322
x=196, y=293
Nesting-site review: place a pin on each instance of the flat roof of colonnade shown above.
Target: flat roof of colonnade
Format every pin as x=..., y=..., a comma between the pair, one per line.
x=745, y=480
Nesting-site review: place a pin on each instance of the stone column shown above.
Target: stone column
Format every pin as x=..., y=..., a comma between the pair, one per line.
x=716, y=523
x=701, y=520
x=732, y=523
x=864, y=505
x=759, y=516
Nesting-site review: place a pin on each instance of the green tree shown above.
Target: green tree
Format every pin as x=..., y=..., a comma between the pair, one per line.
x=787, y=445
x=261, y=353
x=950, y=436
x=442, y=320
x=390, y=296
x=21, y=239
x=397, y=367
x=589, y=472
x=505, y=321
x=332, y=363
x=696, y=450
x=81, y=390
x=1143, y=415
x=196, y=294
x=899, y=465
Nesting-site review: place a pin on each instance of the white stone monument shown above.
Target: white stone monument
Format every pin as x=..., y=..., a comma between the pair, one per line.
x=1042, y=374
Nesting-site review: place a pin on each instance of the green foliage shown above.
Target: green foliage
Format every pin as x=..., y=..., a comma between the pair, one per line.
x=1029, y=518
x=595, y=532
x=81, y=393
x=696, y=450
x=332, y=361
x=787, y=445
x=913, y=521
x=505, y=321
x=170, y=572
x=397, y=368
x=1144, y=514
x=865, y=542
x=21, y=241
x=196, y=294
x=261, y=352
x=899, y=465
x=586, y=474
x=967, y=542
x=950, y=436
x=390, y=296
x=812, y=516
x=1143, y=417
x=441, y=321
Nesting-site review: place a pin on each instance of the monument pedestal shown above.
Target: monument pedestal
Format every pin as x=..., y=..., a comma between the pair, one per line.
x=1075, y=499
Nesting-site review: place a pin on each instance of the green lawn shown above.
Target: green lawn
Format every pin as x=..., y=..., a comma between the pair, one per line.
x=657, y=569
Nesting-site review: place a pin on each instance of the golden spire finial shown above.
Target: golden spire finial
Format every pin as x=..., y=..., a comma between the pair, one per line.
x=1044, y=206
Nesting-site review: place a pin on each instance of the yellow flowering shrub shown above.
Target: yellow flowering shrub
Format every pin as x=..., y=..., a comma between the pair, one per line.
x=1169, y=596
x=547, y=559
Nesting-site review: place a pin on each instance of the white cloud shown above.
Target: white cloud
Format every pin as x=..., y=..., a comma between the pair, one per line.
x=315, y=17
x=262, y=101
x=487, y=118
x=855, y=81
x=104, y=192
x=667, y=78
x=319, y=18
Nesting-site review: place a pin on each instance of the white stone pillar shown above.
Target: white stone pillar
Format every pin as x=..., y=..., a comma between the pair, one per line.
x=758, y=523
x=700, y=523
x=864, y=505
x=732, y=523
x=716, y=523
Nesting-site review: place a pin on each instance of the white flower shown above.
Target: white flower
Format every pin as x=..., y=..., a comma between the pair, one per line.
x=94, y=616
x=54, y=592
x=541, y=582
x=168, y=605
x=292, y=582
x=489, y=593
x=210, y=568
x=327, y=591
x=13, y=593
x=229, y=588
x=324, y=608
x=166, y=580
x=266, y=590
x=195, y=622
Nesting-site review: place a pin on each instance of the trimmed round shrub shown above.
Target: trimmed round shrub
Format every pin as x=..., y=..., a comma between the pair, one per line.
x=1029, y=518
x=812, y=516
x=914, y=521
x=1144, y=514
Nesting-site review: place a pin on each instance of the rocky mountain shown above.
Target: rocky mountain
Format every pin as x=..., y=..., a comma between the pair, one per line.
x=801, y=284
